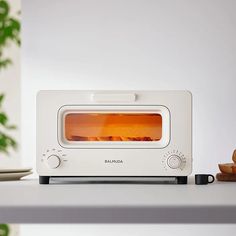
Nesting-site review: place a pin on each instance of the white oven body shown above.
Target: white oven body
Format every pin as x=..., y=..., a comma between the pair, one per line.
x=169, y=156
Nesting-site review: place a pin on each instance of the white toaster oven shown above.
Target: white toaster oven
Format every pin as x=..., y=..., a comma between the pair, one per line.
x=114, y=134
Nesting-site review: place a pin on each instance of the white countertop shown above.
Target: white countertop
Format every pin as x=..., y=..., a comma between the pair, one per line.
x=26, y=201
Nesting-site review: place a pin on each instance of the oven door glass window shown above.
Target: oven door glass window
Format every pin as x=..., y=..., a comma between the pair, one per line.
x=113, y=127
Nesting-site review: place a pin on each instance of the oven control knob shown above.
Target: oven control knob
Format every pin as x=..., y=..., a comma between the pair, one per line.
x=53, y=161
x=174, y=161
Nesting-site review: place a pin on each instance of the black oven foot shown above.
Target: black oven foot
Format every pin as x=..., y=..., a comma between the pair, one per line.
x=44, y=179
x=182, y=179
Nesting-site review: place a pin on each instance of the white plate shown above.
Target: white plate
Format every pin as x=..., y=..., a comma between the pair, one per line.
x=13, y=176
x=14, y=170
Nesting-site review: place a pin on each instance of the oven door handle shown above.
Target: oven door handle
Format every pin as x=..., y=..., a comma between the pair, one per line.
x=113, y=97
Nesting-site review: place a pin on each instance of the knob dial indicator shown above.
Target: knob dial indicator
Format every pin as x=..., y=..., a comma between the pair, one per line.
x=53, y=161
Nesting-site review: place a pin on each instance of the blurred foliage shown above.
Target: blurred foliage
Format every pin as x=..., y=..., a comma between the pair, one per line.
x=5, y=140
x=4, y=230
x=9, y=33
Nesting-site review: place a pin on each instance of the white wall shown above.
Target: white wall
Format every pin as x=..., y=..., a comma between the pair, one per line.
x=137, y=44
x=10, y=85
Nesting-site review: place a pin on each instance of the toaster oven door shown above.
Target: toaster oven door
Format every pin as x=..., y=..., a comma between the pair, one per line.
x=113, y=126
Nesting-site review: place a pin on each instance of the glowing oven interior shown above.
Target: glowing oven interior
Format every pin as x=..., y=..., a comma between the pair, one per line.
x=113, y=127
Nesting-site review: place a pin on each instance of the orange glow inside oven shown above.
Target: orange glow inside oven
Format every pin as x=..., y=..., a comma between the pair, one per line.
x=113, y=127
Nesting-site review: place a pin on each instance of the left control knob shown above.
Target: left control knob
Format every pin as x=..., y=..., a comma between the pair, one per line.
x=53, y=161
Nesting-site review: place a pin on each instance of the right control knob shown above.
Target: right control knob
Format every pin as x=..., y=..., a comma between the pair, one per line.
x=174, y=161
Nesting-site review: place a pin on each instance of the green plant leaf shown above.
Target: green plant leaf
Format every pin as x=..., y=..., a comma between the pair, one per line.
x=4, y=230
x=10, y=127
x=6, y=142
x=3, y=118
x=4, y=9
x=5, y=62
x=1, y=98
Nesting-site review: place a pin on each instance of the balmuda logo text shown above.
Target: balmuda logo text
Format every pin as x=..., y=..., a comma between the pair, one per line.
x=113, y=161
